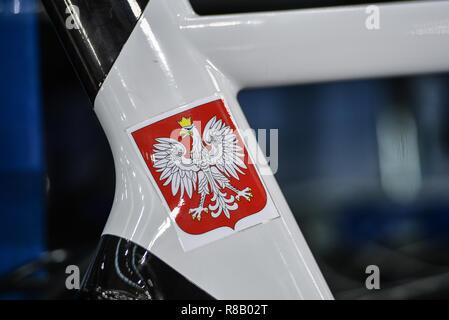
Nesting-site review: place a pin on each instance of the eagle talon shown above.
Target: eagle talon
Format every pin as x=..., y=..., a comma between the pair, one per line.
x=196, y=212
x=245, y=193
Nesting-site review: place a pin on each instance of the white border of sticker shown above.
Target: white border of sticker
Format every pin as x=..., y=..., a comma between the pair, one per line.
x=190, y=241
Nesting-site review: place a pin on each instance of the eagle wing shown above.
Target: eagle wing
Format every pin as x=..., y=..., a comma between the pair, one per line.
x=169, y=158
x=225, y=154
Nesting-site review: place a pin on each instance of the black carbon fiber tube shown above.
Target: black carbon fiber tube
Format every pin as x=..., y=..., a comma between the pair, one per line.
x=93, y=33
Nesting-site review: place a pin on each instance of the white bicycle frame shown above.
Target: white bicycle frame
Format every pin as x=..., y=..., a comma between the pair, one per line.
x=175, y=57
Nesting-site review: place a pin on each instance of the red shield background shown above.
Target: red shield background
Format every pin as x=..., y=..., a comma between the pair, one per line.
x=168, y=127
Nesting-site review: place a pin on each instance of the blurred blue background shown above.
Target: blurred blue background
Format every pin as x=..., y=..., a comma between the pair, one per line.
x=22, y=172
x=363, y=164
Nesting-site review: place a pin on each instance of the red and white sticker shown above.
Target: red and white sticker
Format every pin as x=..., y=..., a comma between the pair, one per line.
x=198, y=163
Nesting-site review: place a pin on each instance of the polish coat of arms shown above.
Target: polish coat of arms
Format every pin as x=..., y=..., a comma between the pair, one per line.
x=201, y=167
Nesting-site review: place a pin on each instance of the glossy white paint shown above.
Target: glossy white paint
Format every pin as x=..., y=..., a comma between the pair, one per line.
x=174, y=57
x=324, y=44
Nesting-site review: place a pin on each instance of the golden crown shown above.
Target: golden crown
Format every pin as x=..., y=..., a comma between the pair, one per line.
x=185, y=122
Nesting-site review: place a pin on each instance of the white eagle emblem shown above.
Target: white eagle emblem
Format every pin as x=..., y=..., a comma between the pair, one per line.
x=215, y=158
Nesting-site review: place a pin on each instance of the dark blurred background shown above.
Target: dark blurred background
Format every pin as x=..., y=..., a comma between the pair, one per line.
x=363, y=164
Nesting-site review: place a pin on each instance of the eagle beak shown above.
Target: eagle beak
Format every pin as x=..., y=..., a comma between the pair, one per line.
x=184, y=133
